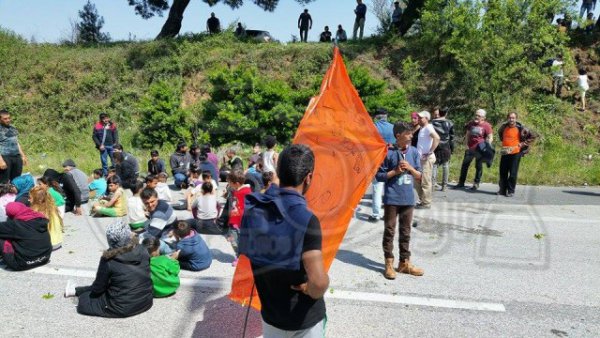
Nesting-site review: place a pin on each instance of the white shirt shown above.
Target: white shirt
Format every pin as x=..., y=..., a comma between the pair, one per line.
x=135, y=210
x=207, y=206
x=163, y=191
x=269, y=161
x=582, y=82
x=557, y=68
x=425, y=140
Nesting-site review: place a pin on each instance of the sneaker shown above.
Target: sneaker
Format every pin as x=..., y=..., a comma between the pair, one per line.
x=373, y=218
x=407, y=268
x=475, y=186
x=459, y=186
x=234, y=263
x=510, y=194
x=500, y=193
x=70, y=289
x=443, y=188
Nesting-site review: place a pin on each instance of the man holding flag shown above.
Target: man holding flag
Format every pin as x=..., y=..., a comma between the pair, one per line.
x=282, y=239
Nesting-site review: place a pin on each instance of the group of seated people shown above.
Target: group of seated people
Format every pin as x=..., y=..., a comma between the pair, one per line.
x=340, y=35
x=148, y=244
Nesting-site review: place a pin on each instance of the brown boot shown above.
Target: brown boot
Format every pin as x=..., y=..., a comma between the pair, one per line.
x=389, y=269
x=406, y=267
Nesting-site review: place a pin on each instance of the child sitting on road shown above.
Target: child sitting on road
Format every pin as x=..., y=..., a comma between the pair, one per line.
x=164, y=270
x=135, y=208
x=6, y=196
x=115, y=203
x=238, y=190
x=98, y=185
x=192, y=252
x=162, y=188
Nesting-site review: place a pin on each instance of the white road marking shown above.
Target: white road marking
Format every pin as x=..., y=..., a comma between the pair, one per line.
x=412, y=300
x=225, y=284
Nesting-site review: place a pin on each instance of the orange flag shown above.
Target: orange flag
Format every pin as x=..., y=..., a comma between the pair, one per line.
x=348, y=151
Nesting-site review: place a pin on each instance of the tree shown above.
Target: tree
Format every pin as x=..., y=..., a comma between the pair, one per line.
x=383, y=12
x=91, y=23
x=149, y=8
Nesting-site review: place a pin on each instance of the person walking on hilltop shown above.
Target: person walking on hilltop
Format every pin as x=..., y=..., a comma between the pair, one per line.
x=213, y=25
x=304, y=24
x=12, y=157
x=478, y=131
x=515, y=143
x=401, y=167
x=290, y=283
x=445, y=129
x=396, y=16
x=105, y=136
x=359, y=21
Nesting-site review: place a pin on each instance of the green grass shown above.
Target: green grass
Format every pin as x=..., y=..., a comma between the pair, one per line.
x=55, y=94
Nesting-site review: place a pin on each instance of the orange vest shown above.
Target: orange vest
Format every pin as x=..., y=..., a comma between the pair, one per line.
x=510, y=138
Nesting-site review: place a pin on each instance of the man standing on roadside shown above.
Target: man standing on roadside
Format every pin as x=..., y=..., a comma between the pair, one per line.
x=12, y=157
x=290, y=276
x=445, y=129
x=399, y=170
x=386, y=130
x=515, y=142
x=477, y=132
x=105, y=136
x=359, y=21
x=304, y=24
x=428, y=142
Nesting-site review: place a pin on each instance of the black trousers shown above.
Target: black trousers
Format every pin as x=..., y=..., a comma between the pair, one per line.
x=464, y=170
x=509, y=169
x=14, y=168
x=91, y=306
x=303, y=34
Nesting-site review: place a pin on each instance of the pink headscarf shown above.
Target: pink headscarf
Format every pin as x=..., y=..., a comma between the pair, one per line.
x=21, y=212
x=414, y=114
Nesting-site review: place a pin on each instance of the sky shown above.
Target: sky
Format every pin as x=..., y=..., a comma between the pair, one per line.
x=50, y=21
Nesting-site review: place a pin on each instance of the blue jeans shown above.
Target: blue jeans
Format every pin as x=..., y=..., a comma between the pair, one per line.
x=179, y=178
x=104, y=155
x=378, y=188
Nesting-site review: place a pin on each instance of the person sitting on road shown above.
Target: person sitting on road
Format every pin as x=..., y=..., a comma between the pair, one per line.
x=98, y=185
x=156, y=165
x=125, y=171
x=80, y=178
x=22, y=185
x=114, y=204
x=162, y=188
x=205, y=209
x=192, y=252
x=69, y=189
x=42, y=202
x=7, y=195
x=164, y=270
x=180, y=165
x=135, y=208
x=56, y=193
x=24, y=238
x=122, y=287
x=161, y=220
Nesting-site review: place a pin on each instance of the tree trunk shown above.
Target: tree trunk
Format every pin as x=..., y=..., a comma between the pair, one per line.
x=173, y=24
x=410, y=15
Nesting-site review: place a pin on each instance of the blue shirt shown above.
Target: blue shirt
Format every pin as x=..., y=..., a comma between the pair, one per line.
x=399, y=189
x=99, y=185
x=361, y=11
x=386, y=130
x=9, y=146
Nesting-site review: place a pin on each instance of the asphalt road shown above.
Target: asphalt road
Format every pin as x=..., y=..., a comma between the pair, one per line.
x=527, y=266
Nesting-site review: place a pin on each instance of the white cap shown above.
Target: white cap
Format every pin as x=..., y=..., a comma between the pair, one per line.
x=481, y=112
x=425, y=114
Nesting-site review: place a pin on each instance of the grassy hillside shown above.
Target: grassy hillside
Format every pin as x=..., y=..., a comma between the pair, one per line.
x=56, y=92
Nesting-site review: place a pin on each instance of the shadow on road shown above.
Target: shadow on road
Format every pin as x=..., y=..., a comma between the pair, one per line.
x=222, y=256
x=224, y=318
x=584, y=193
x=358, y=259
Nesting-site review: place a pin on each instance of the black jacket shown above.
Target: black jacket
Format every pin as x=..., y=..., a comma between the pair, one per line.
x=30, y=240
x=444, y=128
x=69, y=188
x=123, y=280
x=126, y=172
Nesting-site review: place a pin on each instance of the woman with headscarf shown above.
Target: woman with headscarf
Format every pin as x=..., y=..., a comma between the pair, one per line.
x=42, y=202
x=24, y=238
x=123, y=287
x=23, y=184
